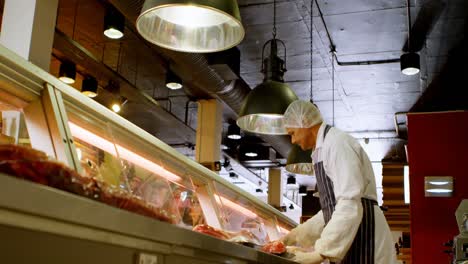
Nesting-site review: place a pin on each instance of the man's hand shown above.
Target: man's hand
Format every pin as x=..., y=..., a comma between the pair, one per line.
x=290, y=238
x=308, y=258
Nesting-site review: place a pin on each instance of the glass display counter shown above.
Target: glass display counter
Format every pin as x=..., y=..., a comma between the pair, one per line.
x=67, y=141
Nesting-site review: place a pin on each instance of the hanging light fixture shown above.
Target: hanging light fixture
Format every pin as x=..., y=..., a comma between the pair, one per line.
x=114, y=23
x=262, y=110
x=300, y=161
x=248, y=150
x=89, y=87
x=291, y=181
x=67, y=72
x=409, y=62
x=173, y=81
x=191, y=25
x=302, y=190
x=234, y=132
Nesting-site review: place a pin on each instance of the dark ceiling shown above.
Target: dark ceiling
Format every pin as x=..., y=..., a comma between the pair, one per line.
x=366, y=94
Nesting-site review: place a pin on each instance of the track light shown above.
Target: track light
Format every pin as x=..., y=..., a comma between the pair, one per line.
x=89, y=86
x=409, y=63
x=291, y=207
x=67, y=72
x=302, y=190
x=291, y=181
x=117, y=104
x=114, y=23
x=234, y=132
x=173, y=81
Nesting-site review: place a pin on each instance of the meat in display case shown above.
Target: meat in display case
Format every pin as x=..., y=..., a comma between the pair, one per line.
x=85, y=175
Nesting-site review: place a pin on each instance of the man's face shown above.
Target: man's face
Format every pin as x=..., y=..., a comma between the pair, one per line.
x=302, y=137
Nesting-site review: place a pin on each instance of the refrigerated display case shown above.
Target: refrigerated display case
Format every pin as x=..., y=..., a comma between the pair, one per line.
x=97, y=159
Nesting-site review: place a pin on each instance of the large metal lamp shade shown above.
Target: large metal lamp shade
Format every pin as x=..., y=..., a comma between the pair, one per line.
x=299, y=161
x=191, y=25
x=263, y=109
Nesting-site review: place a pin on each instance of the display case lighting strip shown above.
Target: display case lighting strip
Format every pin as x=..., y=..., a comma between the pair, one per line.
x=124, y=153
x=235, y=206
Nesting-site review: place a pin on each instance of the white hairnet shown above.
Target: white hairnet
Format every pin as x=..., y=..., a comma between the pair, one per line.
x=302, y=114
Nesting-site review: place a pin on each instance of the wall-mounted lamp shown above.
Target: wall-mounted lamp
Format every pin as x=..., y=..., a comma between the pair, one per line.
x=114, y=23
x=89, y=87
x=67, y=72
x=173, y=81
x=438, y=186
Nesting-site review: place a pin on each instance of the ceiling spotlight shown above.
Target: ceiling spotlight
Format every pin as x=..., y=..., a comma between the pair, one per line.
x=291, y=181
x=117, y=104
x=302, y=190
x=89, y=87
x=409, y=63
x=114, y=23
x=67, y=72
x=191, y=25
x=299, y=161
x=173, y=81
x=234, y=132
x=291, y=207
x=251, y=154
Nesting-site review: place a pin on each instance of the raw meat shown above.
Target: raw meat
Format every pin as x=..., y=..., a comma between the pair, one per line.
x=275, y=247
x=32, y=165
x=211, y=231
x=15, y=152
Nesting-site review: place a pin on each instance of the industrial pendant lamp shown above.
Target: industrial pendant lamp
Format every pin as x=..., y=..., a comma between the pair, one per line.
x=89, y=87
x=262, y=110
x=114, y=23
x=409, y=62
x=173, y=81
x=67, y=72
x=191, y=25
x=299, y=161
